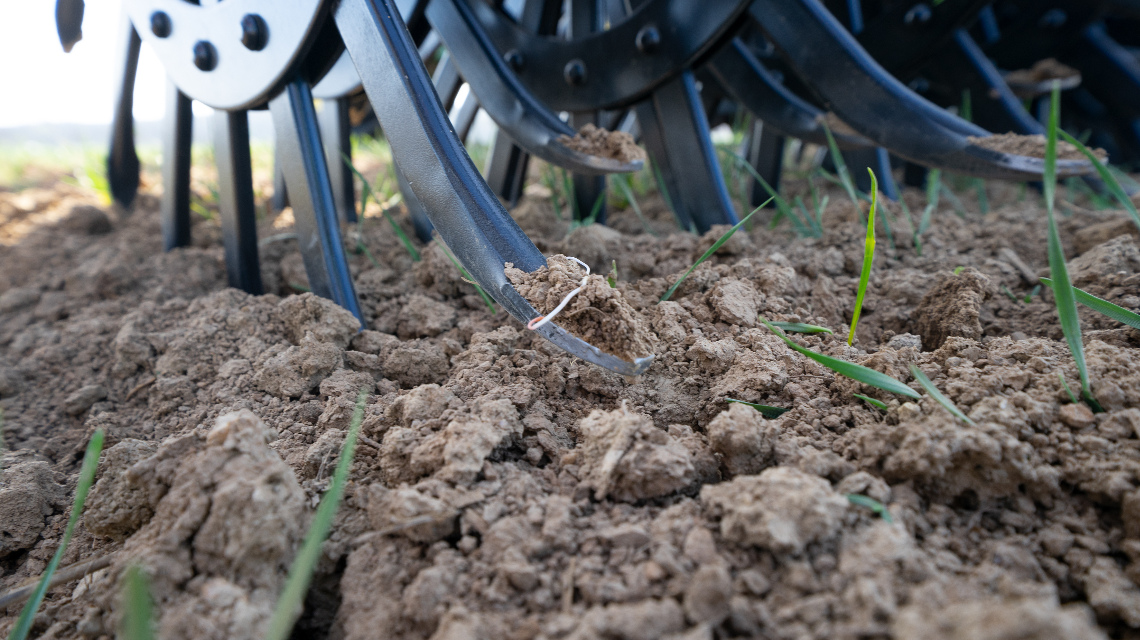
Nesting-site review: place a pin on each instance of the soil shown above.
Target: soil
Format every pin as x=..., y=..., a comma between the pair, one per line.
x=598, y=314
x=595, y=141
x=503, y=489
x=1032, y=146
x=1042, y=70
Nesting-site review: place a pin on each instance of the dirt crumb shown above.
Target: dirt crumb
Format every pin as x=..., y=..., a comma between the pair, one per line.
x=743, y=439
x=1032, y=146
x=952, y=307
x=599, y=314
x=782, y=509
x=624, y=456
x=28, y=494
x=596, y=141
x=997, y=620
x=1042, y=70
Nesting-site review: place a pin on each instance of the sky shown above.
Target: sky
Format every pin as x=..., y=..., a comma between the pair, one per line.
x=42, y=85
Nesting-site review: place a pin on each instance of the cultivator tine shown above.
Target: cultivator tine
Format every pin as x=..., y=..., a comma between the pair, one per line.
x=764, y=150
x=676, y=133
x=122, y=161
x=462, y=207
x=878, y=160
x=333, y=119
x=176, y=140
x=311, y=195
x=69, y=22
x=874, y=103
x=759, y=90
x=1112, y=74
x=965, y=66
x=421, y=223
x=530, y=123
x=235, y=200
x=506, y=168
x=280, y=198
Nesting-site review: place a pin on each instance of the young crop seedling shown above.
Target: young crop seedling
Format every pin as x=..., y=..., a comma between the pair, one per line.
x=463, y=273
x=799, y=327
x=768, y=412
x=874, y=505
x=783, y=209
x=301, y=572
x=851, y=370
x=716, y=245
x=138, y=617
x=841, y=168
x=86, y=479
x=933, y=188
x=1063, y=294
x=611, y=278
x=1065, y=384
x=868, y=258
x=1106, y=175
x=365, y=193
x=1100, y=305
x=624, y=183
x=929, y=387
x=878, y=404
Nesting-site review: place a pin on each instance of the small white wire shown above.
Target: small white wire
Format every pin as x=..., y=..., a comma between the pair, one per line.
x=535, y=323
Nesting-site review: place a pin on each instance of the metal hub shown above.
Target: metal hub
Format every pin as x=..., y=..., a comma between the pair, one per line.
x=228, y=55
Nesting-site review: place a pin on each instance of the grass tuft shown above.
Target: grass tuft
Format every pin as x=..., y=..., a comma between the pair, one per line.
x=851, y=370
x=937, y=395
x=301, y=573
x=716, y=245
x=768, y=412
x=86, y=479
x=1063, y=293
x=868, y=258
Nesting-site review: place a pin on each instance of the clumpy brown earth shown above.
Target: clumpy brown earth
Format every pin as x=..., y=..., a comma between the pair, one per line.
x=1032, y=146
x=1042, y=70
x=617, y=145
x=598, y=314
x=503, y=489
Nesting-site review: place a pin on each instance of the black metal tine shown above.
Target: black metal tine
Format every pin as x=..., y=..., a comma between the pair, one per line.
x=280, y=198
x=421, y=223
x=465, y=117
x=1111, y=73
x=310, y=192
x=235, y=200
x=878, y=160
x=586, y=17
x=764, y=150
x=69, y=22
x=462, y=207
x=447, y=80
x=852, y=85
x=335, y=129
x=675, y=130
x=529, y=122
x=122, y=161
x=758, y=89
x=176, y=141
x=506, y=168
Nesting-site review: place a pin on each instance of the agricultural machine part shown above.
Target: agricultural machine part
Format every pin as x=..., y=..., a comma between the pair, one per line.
x=663, y=70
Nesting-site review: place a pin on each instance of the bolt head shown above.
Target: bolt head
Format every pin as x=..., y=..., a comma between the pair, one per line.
x=205, y=56
x=575, y=73
x=254, y=32
x=918, y=14
x=648, y=39
x=160, y=24
x=514, y=60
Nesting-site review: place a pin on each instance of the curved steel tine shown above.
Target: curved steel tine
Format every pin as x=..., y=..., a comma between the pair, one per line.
x=506, y=168
x=1109, y=71
x=464, y=210
x=176, y=139
x=235, y=200
x=742, y=75
x=532, y=126
x=858, y=90
x=310, y=192
x=421, y=223
x=675, y=130
x=280, y=198
x=69, y=22
x=764, y=150
x=333, y=120
x=122, y=160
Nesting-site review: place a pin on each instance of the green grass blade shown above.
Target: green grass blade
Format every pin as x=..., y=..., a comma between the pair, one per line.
x=1107, y=176
x=365, y=193
x=768, y=412
x=851, y=370
x=878, y=404
x=716, y=245
x=1100, y=305
x=841, y=166
x=301, y=572
x=868, y=258
x=800, y=327
x=467, y=276
x=933, y=189
x=926, y=384
x=623, y=183
x=1065, y=383
x=1062, y=287
x=782, y=207
x=404, y=239
x=660, y=179
x=872, y=504
x=86, y=479
x=138, y=615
